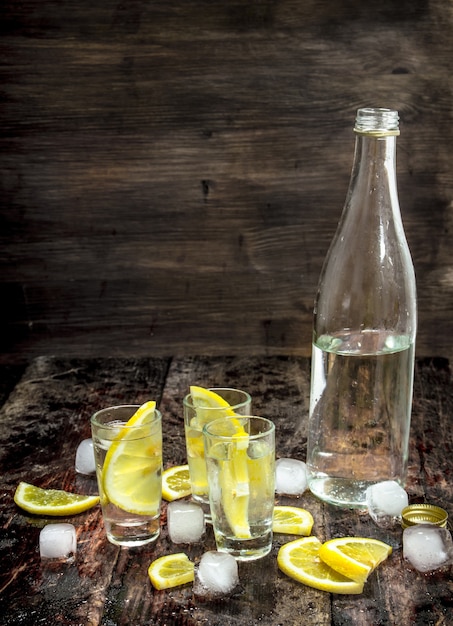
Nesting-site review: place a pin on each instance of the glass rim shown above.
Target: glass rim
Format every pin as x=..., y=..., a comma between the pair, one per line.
x=95, y=422
x=264, y=433
x=187, y=401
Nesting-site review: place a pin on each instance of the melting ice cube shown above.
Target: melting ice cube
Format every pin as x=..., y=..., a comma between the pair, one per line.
x=217, y=574
x=385, y=501
x=290, y=476
x=84, y=462
x=57, y=541
x=427, y=547
x=185, y=522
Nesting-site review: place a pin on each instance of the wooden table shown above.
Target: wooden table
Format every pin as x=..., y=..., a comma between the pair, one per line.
x=45, y=413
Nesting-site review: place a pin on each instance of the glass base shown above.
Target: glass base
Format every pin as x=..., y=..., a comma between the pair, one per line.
x=346, y=494
x=245, y=549
x=131, y=536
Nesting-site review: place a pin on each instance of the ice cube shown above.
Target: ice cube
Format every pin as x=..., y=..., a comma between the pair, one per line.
x=84, y=461
x=385, y=501
x=290, y=476
x=185, y=522
x=216, y=575
x=57, y=541
x=427, y=547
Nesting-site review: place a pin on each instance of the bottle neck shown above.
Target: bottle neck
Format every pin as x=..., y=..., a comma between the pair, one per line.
x=373, y=177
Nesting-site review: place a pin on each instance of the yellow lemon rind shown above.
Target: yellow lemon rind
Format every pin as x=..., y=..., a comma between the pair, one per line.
x=205, y=398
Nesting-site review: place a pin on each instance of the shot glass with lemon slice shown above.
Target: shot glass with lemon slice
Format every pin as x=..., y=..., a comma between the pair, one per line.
x=240, y=458
x=128, y=453
x=202, y=406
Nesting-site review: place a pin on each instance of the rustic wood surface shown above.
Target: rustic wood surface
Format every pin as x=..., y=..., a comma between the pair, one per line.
x=45, y=416
x=171, y=172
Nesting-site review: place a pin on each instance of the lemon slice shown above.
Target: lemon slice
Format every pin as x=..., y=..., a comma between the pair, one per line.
x=234, y=482
x=232, y=460
x=171, y=570
x=234, y=478
x=176, y=483
x=300, y=560
x=131, y=473
x=206, y=399
x=52, y=502
x=354, y=557
x=292, y=520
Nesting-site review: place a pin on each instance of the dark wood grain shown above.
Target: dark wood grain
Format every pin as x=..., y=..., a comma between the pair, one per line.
x=172, y=172
x=47, y=414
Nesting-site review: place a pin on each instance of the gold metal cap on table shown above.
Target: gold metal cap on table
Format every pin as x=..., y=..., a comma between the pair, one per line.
x=423, y=514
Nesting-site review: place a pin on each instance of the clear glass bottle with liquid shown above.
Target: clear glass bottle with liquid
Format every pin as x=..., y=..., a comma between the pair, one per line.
x=365, y=320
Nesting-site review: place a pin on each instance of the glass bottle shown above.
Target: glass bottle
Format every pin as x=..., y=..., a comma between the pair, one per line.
x=365, y=319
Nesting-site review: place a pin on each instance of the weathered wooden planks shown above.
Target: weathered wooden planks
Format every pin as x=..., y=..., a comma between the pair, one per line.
x=46, y=416
x=172, y=172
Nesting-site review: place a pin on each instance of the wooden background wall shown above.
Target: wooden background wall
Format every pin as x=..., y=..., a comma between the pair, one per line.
x=172, y=172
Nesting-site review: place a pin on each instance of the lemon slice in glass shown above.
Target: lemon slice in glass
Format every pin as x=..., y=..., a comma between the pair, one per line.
x=292, y=520
x=234, y=482
x=53, y=502
x=171, y=570
x=354, y=557
x=234, y=475
x=300, y=560
x=232, y=459
x=203, y=400
x=176, y=483
x=131, y=472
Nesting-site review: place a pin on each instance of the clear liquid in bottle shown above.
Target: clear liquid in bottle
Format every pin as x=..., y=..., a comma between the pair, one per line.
x=359, y=413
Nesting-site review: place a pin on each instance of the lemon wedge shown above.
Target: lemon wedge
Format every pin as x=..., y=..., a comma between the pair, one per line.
x=300, y=560
x=171, y=570
x=131, y=473
x=292, y=520
x=176, y=483
x=354, y=557
x=53, y=502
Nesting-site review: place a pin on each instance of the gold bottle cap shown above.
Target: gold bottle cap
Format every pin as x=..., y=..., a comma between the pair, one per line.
x=423, y=514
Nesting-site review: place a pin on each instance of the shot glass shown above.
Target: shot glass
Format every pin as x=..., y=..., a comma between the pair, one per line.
x=240, y=459
x=129, y=474
x=194, y=419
